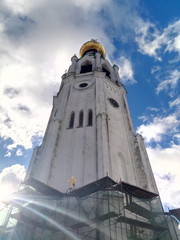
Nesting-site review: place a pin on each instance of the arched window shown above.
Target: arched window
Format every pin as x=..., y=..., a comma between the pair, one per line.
x=81, y=117
x=86, y=67
x=71, y=122
x=90, y=118
x=107, y=72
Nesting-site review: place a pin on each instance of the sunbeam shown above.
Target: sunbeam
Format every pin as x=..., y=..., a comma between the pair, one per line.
x=51, y=221
x=57, y=209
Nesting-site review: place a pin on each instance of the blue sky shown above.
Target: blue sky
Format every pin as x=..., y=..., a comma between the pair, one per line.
x=37, y=40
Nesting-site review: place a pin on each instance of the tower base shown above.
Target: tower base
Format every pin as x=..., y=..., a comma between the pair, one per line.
x=102, y=210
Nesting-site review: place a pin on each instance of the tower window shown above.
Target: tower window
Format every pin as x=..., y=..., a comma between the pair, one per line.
x=113, y=102
x=107, y=72
x=86, y=68
x=81, y=117
x=90, y=118
x=71, y=122
x=83, y=85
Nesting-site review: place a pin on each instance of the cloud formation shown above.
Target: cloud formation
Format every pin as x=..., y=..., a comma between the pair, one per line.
x=37, y=40
x=165, y=163
x=36, y=47
x=152, y=41
x=13, y=175
x=10, y=179
x=126, y=70
x=175, y=102
x=170, y=83
x=19, y=152
x=159, y=127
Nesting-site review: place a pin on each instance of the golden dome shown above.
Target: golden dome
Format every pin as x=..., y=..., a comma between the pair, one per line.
x=93, y=44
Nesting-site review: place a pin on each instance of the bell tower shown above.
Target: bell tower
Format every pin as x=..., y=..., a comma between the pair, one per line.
x=90, y=133
x=91, y=177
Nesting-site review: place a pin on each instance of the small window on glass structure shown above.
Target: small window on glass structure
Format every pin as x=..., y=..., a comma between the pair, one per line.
x=71, y=122
x=90, y=118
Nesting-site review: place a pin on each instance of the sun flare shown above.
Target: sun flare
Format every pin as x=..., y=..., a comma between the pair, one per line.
x=5, y=192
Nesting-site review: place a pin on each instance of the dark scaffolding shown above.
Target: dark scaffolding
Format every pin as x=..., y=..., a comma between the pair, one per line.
x=100, y=210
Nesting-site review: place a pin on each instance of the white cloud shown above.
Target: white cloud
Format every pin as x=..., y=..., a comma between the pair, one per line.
x=8, y=154
x=155, y=69
x=125, y=70
x=19, y=152
x=13, y=174
x=159, y=127
x=10, y=178
x=172, y=33
x=153, y=109
x=166, y=164
x=177, y=137
x=143, y=118
x=169, y=83
x=36, y=46
x=94, y=5
x=175, y=102
x=150, y=40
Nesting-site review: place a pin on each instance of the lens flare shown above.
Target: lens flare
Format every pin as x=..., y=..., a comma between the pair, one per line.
x=25, y=201
x=53, y=222
x=5, y=192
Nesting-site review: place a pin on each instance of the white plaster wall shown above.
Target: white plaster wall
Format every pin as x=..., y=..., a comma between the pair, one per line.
x=122, y=161
x=109, y=147
x=74, y=151
x=145, y=167
x=118, y=134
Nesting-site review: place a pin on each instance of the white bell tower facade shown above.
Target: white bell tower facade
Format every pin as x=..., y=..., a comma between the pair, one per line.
x=91, y=177
x=90, y=133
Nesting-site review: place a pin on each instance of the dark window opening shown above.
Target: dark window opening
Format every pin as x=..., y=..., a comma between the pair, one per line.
x=107, y=72
x=113, y=102
x=86, y=68
x=82, y=85
x=71, y=122
x=90, y=118
x=81, y=117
